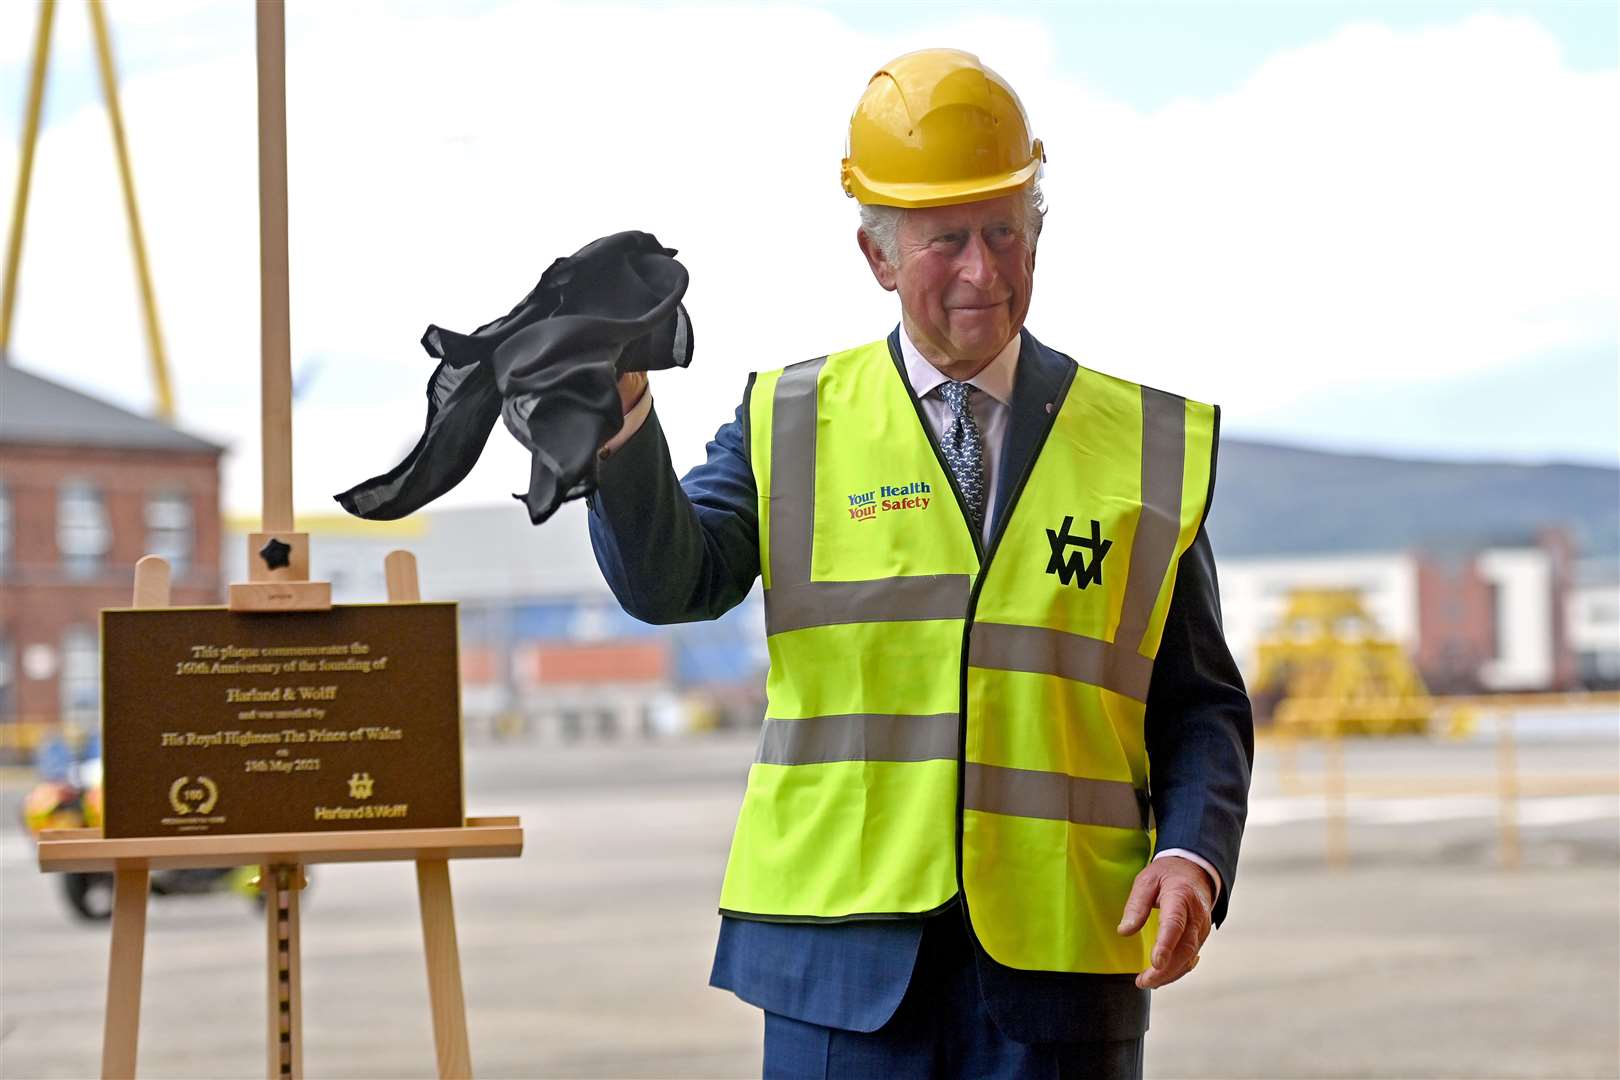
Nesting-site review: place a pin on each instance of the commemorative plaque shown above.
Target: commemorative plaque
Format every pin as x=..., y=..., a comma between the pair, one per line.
x=217, y=721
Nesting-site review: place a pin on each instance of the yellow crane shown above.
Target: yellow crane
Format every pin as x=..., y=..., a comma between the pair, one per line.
x=1330, y=670
x=25, y=169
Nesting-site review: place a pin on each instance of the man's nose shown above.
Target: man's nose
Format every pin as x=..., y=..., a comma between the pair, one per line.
x=977, y=266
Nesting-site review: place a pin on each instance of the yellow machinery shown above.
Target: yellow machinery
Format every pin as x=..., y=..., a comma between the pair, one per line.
x=1328, y=670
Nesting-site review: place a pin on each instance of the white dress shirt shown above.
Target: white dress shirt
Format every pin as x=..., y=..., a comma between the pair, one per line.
x=991, y=410
x=991, y=407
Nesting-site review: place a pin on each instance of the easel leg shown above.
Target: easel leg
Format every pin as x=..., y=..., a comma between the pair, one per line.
x=285, y=1040
x=433, y=887
x=444, y=968
x=118, y=1040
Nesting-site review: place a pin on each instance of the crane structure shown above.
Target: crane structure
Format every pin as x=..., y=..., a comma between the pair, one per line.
x=25, y=167
x=1327, y=669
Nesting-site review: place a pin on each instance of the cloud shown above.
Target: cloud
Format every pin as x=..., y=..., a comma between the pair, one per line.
x=1377, y=207
x=1373, y=208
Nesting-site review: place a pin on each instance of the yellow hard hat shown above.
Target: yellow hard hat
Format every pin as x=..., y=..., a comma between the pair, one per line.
x=937, y=127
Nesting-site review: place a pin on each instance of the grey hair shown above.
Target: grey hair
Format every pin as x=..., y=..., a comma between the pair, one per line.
x=881, y=224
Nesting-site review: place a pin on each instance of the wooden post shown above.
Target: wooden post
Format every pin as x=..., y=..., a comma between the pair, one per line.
x=121, y=1035
x=152, y=577
x=275, y=338
x=443, y=969
x=399, y=571
x=276, y=582
x=1507, y=775
x=281, y=884
x=1338, y=839
x=1288, y=747
x=433, y=891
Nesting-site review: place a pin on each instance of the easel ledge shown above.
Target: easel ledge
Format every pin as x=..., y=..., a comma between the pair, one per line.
x=86, y=851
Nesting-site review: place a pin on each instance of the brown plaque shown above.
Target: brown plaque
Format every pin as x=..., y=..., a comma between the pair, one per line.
x=216, y=721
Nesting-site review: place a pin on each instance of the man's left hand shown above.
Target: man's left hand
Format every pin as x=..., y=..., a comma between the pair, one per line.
x=1184, y=895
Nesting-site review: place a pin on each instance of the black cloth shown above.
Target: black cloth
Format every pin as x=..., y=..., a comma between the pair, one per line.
x=549, y=368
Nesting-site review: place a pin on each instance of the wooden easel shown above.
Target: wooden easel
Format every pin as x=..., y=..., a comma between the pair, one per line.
x=281, y=856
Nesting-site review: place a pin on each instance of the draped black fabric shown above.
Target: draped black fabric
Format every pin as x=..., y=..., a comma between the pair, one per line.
x=549, y=368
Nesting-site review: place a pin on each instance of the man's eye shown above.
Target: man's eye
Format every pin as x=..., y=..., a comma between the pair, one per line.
x=1000, y=236
x=950, y=240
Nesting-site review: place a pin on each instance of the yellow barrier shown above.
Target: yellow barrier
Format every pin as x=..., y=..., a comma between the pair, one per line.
x=1508, y=785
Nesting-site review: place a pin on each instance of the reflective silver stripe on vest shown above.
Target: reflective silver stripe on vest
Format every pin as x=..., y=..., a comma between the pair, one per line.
x=794, y=602
x=1055, y=797
x=1004, y=647
x=793, y=473
x=1164, y=456
x=829, y=603
x=858, y=737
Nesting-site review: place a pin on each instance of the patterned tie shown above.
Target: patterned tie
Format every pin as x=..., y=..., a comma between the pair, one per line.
x=964, y=449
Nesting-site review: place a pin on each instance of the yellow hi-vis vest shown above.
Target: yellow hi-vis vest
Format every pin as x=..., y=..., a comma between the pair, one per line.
x=894, y=772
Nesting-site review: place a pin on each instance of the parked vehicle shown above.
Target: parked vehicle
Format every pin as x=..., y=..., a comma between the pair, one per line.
x=68, y=796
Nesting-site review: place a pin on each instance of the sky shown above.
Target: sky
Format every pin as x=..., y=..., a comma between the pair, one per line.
x=1384, y=227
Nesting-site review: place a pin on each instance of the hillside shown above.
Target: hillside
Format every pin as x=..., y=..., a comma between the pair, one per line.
x=1275, y=500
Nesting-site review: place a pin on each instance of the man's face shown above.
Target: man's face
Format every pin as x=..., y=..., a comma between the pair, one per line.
x=964, y=275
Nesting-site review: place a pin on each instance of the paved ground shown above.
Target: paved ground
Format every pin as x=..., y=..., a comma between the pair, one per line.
x=588, y=957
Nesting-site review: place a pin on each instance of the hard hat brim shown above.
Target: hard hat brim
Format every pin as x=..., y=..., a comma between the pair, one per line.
x=948, y=193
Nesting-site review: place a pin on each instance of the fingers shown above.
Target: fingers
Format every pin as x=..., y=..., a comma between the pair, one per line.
x=1144, y=895
x=1184, y=919
x=1183, y=926
x=1180, y=962
x=1172, y=926
x=632, y=384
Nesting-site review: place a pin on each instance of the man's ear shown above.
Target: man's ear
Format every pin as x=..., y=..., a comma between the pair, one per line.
x=882, y=268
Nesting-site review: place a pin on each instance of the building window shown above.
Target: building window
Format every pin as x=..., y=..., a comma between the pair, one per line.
x=5, y=531
x=82, y=533
x=79, y=683
x=169, y=530
x=8, y=683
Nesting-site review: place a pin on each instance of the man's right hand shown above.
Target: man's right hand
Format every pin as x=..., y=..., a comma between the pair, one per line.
x=632, y=384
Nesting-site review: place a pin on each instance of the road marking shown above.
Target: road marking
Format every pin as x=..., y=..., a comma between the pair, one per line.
x=1561, y=810
x=1564, y=811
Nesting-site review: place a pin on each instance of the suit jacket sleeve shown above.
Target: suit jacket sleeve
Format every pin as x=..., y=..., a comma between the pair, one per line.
x=1199, y=727
x=677, y=550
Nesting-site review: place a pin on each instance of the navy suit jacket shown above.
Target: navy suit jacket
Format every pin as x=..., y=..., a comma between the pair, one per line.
x=681, y=550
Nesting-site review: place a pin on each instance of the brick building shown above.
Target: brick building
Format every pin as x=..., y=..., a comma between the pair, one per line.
x=1493, y=618
x=86, y=489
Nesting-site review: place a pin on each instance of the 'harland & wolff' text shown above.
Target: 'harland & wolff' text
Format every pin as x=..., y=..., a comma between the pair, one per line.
x=236, y=694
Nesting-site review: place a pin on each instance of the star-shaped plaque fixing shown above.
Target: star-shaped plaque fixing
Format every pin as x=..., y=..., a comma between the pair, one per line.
x=275, y=554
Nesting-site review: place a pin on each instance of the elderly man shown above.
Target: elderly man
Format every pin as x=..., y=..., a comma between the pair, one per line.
x=1004, y=766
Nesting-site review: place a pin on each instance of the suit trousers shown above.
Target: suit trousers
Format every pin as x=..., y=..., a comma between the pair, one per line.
x=941, y=1031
